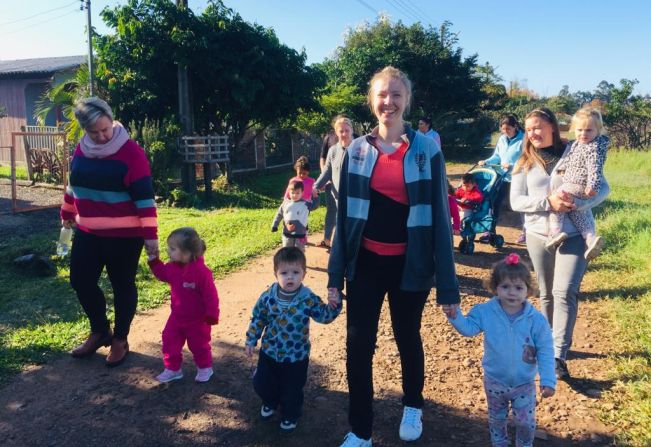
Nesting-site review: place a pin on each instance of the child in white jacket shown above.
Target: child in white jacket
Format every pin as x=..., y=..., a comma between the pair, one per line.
x=517, y=346
x=294, y=213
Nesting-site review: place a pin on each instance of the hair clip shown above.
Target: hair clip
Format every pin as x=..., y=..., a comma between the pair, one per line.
x=512, y=259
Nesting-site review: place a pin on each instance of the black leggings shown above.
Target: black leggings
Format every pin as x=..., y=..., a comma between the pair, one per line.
x=375, y=277
x=89, y=255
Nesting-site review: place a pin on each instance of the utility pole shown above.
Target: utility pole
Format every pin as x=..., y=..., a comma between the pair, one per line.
x=85, y=4
x=188, y=172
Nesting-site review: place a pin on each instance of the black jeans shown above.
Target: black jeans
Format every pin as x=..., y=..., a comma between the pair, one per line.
x=377, y=276
x=281, y=384
x=89, y=255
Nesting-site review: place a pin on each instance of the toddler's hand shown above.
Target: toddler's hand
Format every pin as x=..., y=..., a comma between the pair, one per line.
x=590, y=192
x=315, y=193
x=450, y=310
x=274, y=229
x=546, y=391
x=249, y=350
x=334, y=297
x=291, y=227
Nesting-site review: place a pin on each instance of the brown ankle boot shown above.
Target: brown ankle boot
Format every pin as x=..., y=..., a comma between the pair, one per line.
x=119, y=351
x=94, y=341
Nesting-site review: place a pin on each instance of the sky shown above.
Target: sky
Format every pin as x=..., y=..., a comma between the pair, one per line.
x=542, y=45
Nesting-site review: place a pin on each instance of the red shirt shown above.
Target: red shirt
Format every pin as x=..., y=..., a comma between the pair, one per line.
x=474, y=195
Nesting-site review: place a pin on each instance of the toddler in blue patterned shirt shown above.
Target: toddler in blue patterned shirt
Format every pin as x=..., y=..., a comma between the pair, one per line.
x=281, y=316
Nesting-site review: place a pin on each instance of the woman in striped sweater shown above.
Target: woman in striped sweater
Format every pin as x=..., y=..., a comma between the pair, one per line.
x=111, y=201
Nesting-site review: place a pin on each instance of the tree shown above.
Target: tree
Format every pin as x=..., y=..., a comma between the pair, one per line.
x=628, y=116
x=447, y=85
x=241, y=75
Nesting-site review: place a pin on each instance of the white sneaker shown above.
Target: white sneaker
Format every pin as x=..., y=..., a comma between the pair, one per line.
x=288, y=426
x=203, y=374
x=556, y=240
x=411, y=426
x=353, y=441
x=594, y=247
x=266, y=412
x=168, y=375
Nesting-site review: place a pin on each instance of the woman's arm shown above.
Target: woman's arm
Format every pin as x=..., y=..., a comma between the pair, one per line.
x=520, y=199
x=326, y=171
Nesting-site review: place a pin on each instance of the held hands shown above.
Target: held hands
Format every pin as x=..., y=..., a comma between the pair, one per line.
x=562, y=204
x=546, y=391
x=334, y=297
x=450, y=310
x=67, y=223
x=315, y=193
x=249, y=350
x=151, y=248
x=481, y=163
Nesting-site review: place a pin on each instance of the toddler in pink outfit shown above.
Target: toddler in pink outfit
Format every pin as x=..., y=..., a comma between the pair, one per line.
x=195, y=304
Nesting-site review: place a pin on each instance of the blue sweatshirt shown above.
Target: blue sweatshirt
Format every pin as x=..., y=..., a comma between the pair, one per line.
x=507, y=150
x=514, y=351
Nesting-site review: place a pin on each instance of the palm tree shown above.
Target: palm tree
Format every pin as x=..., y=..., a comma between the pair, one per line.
x=64, y=96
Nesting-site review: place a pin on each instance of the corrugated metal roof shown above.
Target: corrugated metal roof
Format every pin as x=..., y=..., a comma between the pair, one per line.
x=40, y=65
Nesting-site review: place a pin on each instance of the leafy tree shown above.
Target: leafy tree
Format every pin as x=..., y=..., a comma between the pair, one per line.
x=628, y=116
x=447, y=85
x=563, y=103
x=241, y=75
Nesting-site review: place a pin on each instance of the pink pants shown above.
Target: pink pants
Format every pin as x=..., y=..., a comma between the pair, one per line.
x=197, y=333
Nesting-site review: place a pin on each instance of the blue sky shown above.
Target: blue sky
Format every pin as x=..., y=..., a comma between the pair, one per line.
x=543, y=44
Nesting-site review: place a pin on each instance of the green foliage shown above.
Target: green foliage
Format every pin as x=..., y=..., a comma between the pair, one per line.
x=21, y=172
x=447, y=86
x=628, y=116
x=623, y=274
x=240, y=73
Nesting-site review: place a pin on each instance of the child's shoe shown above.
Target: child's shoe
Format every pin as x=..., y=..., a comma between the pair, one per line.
x=556, y=240
x=522, y=239
x=168, y=375
x=203, y=374
x=595, y=244
x=266, y=412
x=353, y=441
x=411, y=426
x=560, y=369
x=287, y=426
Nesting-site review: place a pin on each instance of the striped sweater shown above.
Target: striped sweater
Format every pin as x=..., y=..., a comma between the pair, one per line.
x=112, y=196
x=429, y=257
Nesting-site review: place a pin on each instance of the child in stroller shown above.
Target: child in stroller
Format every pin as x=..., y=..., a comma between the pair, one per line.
x=479, y=217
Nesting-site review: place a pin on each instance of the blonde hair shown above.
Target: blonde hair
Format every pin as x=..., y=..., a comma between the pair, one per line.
x=587, y=114
x=339, y=119
x=530, y=154
x=391, y=73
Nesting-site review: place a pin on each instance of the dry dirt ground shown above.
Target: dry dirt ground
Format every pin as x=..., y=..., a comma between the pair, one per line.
x=80, y=402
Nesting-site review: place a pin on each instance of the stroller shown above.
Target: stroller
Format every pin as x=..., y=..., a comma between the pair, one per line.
x=489, y=179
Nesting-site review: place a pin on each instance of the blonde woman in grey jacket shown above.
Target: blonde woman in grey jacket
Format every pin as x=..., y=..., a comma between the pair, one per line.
x=559, y=271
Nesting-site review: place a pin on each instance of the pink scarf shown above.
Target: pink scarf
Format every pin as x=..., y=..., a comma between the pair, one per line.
x=94, y=150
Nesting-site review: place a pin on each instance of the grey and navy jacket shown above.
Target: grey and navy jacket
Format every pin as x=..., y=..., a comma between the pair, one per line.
x=286, y=332
x=429, y=259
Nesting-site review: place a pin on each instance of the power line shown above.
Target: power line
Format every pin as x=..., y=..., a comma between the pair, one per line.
x=38, y=23
x=37, y=14
x=420, y=12
x=404, y=12
x=363, y=3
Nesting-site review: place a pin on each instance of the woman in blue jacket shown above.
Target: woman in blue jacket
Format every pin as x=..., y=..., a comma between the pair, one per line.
x=507, y=151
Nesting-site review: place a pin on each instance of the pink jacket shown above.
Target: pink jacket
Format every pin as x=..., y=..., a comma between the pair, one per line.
x=194, y=295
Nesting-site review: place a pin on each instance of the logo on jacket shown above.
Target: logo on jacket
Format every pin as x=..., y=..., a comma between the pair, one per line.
x=358, y=157
x=420, y=160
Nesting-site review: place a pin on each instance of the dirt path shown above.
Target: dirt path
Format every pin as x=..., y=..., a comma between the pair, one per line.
x=80, y=402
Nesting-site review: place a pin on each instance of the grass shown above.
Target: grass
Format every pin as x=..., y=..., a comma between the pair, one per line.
x=21, y=172
x=622, y=274
x=41, y=318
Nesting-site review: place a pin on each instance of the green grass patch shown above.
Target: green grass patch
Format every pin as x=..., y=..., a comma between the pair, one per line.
x=21, y=172
x=623, y=274
x=41, y=317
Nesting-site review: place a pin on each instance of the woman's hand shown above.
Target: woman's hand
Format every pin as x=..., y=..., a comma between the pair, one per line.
x=481, y=163
x=560, y=204
x=450, y=310
x=151, y=248
x=334, y=297
x=67, y=223
x=506, y=166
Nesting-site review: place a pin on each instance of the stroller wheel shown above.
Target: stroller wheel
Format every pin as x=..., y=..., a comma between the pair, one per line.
x=498, y=241
x=462, y=245
x=470, y=248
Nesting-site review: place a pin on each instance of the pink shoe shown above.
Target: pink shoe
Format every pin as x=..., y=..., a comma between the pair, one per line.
x=203, y=374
